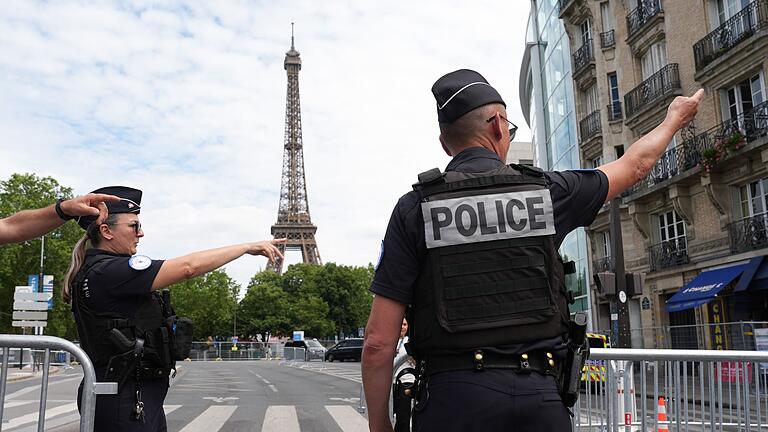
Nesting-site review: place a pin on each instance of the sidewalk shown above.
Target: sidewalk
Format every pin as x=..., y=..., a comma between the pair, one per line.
x=16, y=374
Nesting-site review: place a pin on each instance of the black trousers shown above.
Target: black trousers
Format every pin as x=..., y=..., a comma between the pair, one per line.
x=492, y=400
x=114, y=413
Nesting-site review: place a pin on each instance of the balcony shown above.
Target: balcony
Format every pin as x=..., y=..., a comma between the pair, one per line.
x=708, y=148
x=590, y=127
x=614, y=111
x=738, y=28
x=645, y=11
x=583, y=57
x=608, y=39
x=564, y=6
x=668, y=254
x=749, y=233
x=604, y=264
x=664, y=82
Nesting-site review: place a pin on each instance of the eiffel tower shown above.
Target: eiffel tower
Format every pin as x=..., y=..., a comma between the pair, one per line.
x=293, y=220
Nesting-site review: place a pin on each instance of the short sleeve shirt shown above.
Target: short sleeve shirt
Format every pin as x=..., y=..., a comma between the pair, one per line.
x=113, y=286
x=577, y=197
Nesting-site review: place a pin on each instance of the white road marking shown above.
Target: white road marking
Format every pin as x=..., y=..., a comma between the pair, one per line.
x=32, y=417
x=220, y=399
x=211, y=420
x=347, y=418
x=347, y=400
x=271, y=386
x=197, y=388
x=20, y=403
x=274, y=389
x=30, y=389
x=170, y=408
x=280, y=418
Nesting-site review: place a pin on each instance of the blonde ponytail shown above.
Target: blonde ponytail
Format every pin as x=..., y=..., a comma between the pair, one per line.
x=78, y=256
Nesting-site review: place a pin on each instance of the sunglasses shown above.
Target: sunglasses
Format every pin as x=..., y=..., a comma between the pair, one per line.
x=136, y=225
x=512, y=130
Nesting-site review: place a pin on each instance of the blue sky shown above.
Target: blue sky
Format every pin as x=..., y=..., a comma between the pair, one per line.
x=186, y=101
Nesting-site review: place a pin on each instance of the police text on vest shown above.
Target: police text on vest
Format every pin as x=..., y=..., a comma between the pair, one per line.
x=482, y=218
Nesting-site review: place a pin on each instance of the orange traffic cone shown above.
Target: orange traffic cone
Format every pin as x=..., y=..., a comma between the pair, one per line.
x=663, y=425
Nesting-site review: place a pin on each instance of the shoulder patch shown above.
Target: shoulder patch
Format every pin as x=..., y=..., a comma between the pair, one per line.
x=381, y=256
x=139, y=262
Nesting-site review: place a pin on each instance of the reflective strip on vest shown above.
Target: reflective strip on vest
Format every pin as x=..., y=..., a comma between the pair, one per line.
x=482, y=218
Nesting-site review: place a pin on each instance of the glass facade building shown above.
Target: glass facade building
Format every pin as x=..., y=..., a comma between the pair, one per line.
x=547, y=100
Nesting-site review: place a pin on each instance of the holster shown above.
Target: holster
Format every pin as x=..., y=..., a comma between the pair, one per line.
x=578, y=352
x=123, y=365
x=403, y=394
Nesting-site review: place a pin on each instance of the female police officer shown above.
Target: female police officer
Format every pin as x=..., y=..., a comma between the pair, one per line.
x=121, y=320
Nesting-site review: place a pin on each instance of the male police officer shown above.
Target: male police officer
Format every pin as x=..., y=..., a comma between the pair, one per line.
x=29, y=224
x=473, y=251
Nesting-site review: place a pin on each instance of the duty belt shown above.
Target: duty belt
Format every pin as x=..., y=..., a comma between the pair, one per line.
x=542, y=362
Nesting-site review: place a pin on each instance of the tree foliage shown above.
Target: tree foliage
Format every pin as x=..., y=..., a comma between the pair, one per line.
x=209, y=300
x=320, y=300
x=17, y=261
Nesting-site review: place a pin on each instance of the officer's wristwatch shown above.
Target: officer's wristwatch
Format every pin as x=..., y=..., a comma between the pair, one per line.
x=60, y=212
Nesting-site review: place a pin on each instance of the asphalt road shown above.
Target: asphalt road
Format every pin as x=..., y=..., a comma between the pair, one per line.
x=219, y=396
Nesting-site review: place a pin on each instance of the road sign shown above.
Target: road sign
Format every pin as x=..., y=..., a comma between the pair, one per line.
x=32, y=296
x=29, y=323
x=48, y=288
x=34, y=316
x=32, y=282
x=298, y=335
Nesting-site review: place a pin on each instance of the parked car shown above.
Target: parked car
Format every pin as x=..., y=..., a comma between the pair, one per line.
x=312, y=348
x=346, y=349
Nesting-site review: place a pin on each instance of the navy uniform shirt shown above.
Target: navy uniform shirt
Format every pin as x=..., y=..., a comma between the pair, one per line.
x=577, y=196
x=113, y=286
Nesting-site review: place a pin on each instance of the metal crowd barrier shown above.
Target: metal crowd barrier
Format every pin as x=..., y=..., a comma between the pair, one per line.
x=294, y=354
x=675, y=390
x=48, y=343
x=227, y=351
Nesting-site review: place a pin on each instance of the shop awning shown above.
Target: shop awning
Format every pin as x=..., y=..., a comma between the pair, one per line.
x=703, y=288
x=755, y=276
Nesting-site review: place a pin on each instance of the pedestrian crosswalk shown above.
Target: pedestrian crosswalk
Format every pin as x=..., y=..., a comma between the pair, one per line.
x=21, y=416
x=324, y=368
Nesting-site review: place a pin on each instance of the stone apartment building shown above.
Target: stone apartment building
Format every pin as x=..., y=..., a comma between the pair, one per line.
x=696, y=229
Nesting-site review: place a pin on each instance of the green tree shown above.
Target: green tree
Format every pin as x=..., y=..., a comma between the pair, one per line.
x=28, y=191
x=209, y=300
x=265, y=310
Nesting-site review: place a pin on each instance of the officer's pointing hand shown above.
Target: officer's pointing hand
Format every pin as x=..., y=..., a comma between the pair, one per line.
x=683, y=109
x=268, y=248
x=87, y=205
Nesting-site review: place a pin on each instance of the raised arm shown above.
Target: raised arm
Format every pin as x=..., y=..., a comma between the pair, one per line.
x=198, y=263
x=29, y=224
x=643, y=154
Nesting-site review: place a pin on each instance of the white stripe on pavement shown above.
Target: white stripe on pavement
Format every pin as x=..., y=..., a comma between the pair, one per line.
x=211, y=420
x=20, y=403
x=32, y=417
x=347, y=418
x=170, y=408
x=30, y=389
x=280, y=418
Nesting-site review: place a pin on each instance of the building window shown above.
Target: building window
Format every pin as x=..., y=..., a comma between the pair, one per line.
x=753, y=198
x=596, y=162
x=589, y=100
x=671, y=226
x=615, y=107
x=743, y=96
x=606, y=15
x=728, y=8
x=604, y=244
x=654, y=59
x=619, y=149
x=586, y=32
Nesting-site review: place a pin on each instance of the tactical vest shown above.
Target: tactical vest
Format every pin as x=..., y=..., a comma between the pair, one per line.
x=149, y=324
x=492, y=274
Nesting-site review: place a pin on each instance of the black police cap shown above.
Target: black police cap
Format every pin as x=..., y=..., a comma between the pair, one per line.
x=461, y=91
x=130, y=202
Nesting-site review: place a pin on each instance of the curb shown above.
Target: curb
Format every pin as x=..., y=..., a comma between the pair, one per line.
x=54, y=370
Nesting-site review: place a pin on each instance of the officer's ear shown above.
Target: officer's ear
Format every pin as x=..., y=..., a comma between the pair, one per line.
x=105, y=232
x=445, y=147
x=496, y=127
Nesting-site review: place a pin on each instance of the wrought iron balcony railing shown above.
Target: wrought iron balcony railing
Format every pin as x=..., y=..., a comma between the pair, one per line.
x=608, y=39
x=603, y=264
x=583, y=56
x=614, y=111
x=563, y=5
x=749, y=233
x=643, y=13
x=732, y=32
x=668, y=254
x=707, y=148
x=590, y=126
x=658, y=85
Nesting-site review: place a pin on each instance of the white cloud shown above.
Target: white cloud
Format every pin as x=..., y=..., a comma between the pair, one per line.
x=187, y=102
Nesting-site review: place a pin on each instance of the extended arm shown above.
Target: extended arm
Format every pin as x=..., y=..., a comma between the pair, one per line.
x=198, y=263
x=29, y=224
x=643, y=154
x=381, y=335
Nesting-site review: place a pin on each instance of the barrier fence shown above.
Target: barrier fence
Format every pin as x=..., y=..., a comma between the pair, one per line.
x=47, y=345
x=228, y=351
x=675, y=390
x=738, y=335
